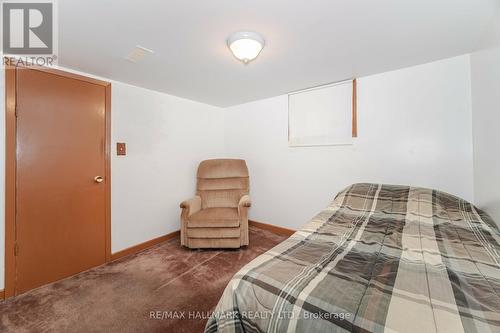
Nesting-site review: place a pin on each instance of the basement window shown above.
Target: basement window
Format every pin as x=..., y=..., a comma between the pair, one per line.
x=323, y=116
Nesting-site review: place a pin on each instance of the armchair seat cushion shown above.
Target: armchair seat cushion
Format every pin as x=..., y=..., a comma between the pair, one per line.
x=215, y=218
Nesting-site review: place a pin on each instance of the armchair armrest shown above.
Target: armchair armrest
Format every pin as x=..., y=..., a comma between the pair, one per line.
x=245, y=201
x=243, y=206
x=191, y=205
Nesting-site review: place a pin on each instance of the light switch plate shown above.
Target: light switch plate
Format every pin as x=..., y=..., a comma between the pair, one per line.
x=121, y=149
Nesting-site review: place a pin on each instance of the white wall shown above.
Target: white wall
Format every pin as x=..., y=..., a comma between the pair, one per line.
x=166, y=138
x=485, y=73
x=414, y=128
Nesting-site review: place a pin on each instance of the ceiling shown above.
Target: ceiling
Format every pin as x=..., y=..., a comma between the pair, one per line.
x=308, y=43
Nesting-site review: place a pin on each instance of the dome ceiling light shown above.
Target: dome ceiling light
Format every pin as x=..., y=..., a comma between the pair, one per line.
x=245, y=45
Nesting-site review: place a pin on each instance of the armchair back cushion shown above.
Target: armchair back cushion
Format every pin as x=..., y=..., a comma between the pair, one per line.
x=222, y=182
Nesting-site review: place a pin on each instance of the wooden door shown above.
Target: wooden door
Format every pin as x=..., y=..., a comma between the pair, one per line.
x=60, y=204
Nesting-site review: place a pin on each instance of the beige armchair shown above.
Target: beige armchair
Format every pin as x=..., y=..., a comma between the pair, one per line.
x=217, y=217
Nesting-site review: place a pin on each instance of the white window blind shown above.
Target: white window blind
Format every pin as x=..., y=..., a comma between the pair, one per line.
x=321, y=116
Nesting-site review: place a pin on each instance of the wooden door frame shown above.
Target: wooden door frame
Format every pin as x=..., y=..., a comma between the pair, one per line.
x=11, y=159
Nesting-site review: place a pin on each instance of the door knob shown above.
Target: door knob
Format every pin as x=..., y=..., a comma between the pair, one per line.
x=98, y=179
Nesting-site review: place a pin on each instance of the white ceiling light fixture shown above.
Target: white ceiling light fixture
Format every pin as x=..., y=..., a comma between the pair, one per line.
x=245, y=45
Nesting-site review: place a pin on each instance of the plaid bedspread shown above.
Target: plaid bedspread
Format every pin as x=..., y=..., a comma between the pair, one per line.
x=380, y=258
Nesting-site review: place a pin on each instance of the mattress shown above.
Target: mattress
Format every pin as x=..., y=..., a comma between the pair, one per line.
x=380, y=258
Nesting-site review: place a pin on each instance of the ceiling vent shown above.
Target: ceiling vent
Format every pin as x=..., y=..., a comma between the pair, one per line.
x=138, y=53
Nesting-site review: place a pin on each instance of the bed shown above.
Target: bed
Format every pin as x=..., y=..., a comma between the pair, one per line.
x=380, y=258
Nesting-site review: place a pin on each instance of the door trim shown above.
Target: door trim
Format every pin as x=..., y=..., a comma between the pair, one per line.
x=11, y=159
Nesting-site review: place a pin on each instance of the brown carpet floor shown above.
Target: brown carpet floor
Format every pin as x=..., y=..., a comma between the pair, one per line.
x=122, y=295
